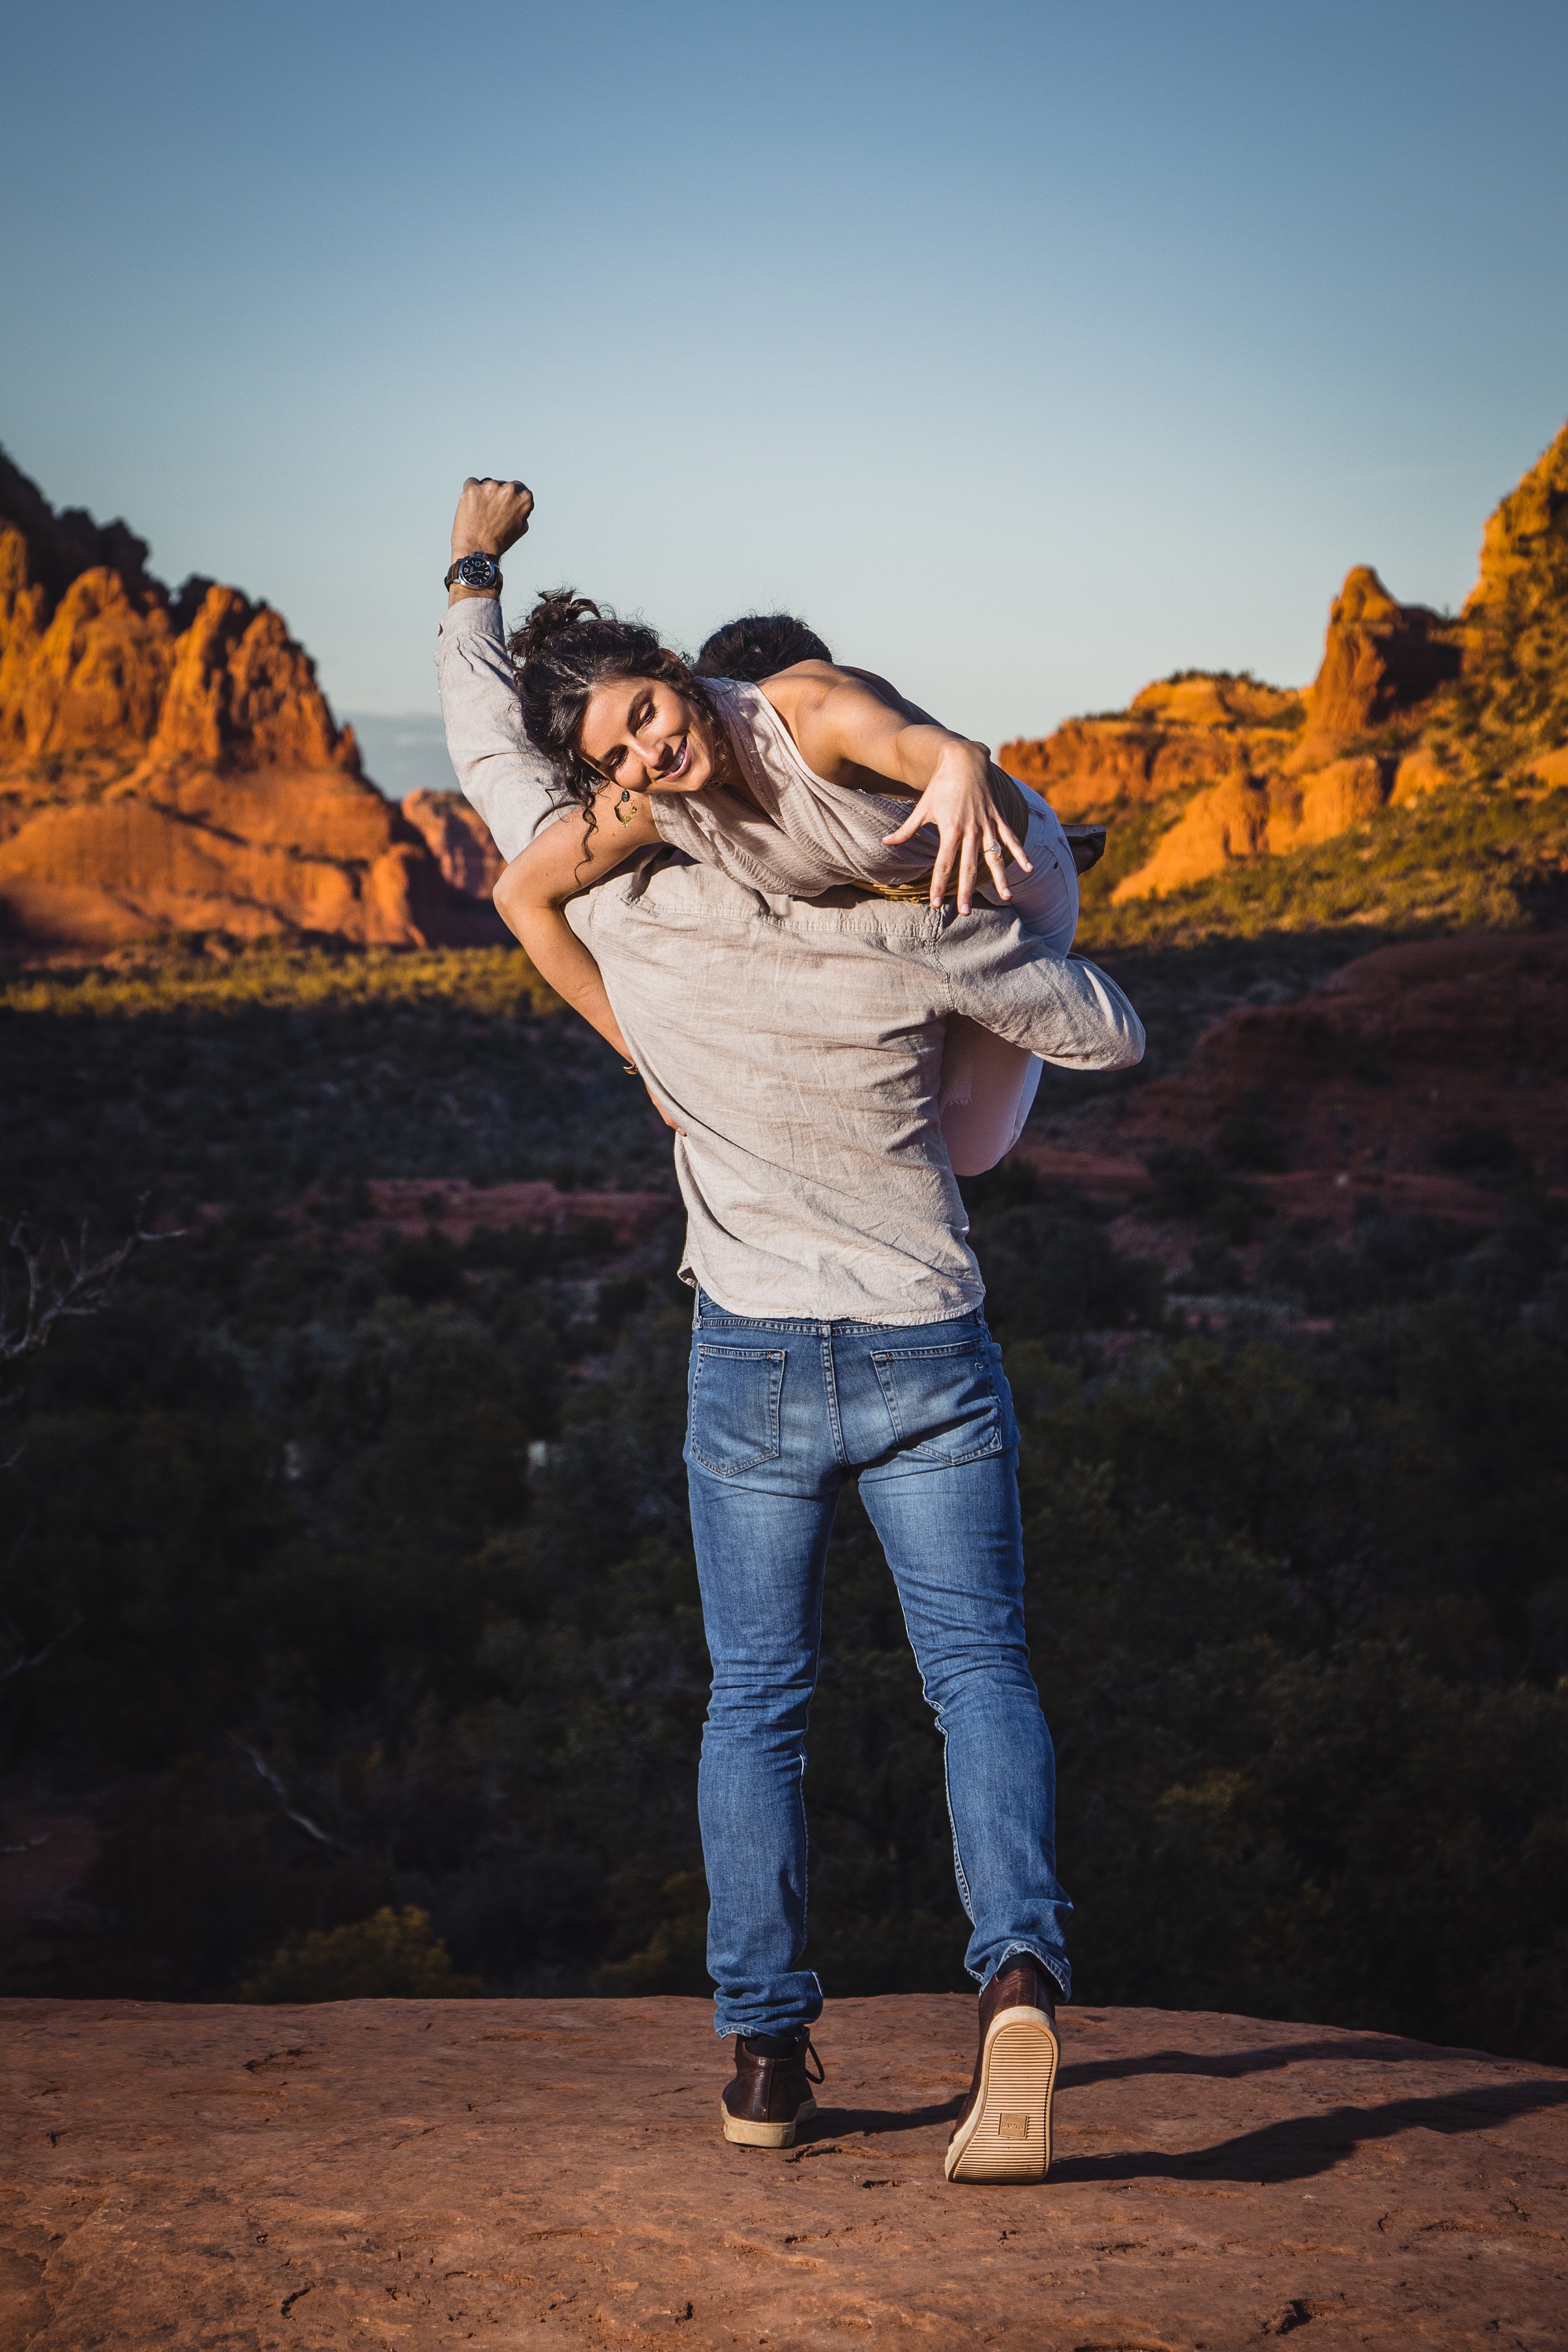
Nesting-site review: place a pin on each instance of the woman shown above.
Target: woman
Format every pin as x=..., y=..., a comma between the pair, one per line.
x=799, y=784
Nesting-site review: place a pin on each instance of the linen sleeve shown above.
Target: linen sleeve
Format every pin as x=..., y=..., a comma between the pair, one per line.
x=513, y=787
x=1060, y=1006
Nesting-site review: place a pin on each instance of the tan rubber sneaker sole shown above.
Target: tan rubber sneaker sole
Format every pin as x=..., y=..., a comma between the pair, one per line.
x=1007, y=2136
x=747, y=2134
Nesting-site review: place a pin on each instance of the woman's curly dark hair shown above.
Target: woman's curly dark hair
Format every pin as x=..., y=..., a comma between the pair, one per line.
x=567, y=647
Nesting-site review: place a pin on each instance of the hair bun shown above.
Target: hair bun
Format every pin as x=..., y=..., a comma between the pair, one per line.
x=557, y=609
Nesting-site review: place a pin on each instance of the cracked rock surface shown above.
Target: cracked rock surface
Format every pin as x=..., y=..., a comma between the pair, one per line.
x=426, y=2173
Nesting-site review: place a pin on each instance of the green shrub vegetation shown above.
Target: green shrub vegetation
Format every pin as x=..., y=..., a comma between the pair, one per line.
x=394, y=1954
x=359, y=1582
x=203, y=976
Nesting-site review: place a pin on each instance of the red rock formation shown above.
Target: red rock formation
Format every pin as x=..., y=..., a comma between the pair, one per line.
x=64, y=544
x=457, y=839
x=94, y=676
x=415, y=1205
x=1247, y=815
x=1526, y=537
x=1422, y=1080
x=1513, y=700
x=1091, y=767
x=426, y=2173
x=1403, y=702
x=171, y=763
x=1380, y=657
x=242, y=694
x=1381, y=660
x=1366, y=1076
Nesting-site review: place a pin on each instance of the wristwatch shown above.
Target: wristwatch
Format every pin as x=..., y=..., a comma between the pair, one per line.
x=474, y=572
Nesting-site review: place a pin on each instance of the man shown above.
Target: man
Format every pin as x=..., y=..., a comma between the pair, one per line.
x=796, y=1049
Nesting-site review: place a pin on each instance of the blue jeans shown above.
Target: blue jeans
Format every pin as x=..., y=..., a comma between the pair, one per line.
x=781, y=1413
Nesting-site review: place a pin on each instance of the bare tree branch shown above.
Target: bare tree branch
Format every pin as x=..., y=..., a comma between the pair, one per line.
x=26, y=1661
x=290, y=1813
x=80, y=1286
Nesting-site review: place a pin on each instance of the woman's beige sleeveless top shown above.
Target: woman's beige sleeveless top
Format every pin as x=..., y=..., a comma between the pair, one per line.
x=805, y=835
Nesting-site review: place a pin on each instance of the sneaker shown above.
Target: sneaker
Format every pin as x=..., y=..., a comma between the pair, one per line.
x=771, y=2094
x=1004, y=2127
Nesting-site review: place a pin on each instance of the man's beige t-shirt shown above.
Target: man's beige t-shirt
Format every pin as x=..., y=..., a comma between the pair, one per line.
x=800, y=1048
x=798, y=1044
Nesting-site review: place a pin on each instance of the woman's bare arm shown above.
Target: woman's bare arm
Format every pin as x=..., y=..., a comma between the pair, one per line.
x=554, y=950
x=885, y=691
x=852, y=733
x=556, y=865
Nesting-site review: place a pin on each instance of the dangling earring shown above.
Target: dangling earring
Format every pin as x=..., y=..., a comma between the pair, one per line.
x=625, y=809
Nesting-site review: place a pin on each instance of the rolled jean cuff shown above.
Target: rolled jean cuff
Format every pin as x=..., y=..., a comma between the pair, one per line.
x=781, y=2007
x=1054, y=1965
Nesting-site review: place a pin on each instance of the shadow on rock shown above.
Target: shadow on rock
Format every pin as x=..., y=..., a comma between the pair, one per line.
x=829, y=2122
x=1374, y=2050
x=1304, y=2145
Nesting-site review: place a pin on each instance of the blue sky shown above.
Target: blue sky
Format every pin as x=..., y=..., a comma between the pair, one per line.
x=1029, y=351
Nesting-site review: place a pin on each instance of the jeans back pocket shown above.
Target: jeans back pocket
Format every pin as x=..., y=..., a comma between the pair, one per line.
x=734, y=1421
x=946, y=1403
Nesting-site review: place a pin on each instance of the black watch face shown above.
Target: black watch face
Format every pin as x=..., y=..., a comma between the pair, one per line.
x=479, y=572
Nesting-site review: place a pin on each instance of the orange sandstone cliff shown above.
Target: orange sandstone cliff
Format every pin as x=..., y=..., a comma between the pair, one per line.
x=457, y=839
x=168, y=764
x=1405, y=703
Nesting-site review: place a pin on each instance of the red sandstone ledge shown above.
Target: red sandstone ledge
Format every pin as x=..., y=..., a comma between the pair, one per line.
x=426, y=2173
x=410, y=1203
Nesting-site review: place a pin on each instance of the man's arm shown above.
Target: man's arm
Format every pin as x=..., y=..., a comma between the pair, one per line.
x=1063, y=1009
x=513, y=787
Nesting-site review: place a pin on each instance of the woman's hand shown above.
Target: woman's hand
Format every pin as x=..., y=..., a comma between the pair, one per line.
x=960, y=804
x=853, y=730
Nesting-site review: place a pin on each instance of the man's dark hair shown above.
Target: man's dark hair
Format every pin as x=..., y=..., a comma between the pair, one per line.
x=755, y=648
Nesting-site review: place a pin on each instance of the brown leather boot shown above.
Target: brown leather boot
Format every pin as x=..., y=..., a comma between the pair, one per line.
x=769, y=2097
x=1004, y=2127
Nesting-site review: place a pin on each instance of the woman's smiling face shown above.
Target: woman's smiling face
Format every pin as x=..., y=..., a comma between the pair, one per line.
x=646, y=736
